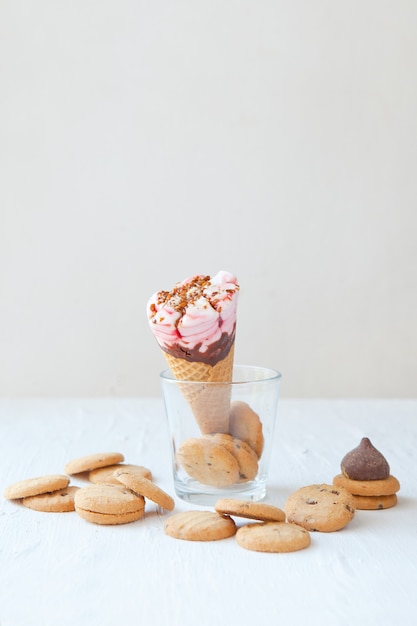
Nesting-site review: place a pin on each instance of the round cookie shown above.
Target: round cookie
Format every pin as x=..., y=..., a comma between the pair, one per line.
x=146, y=488
x=106, y=474
x=273, y=537
x=93, y=461
x=245, y=424
x=323, y=508
x=61, y=501
x=36, y=486
x=199, y=526
x=384, y=487
x=374, y=503
x=251, y=510
x=108, y=499
x=245, y=456
x=208, y=462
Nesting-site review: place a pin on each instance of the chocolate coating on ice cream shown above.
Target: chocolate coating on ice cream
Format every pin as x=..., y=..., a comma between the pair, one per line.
x=365, y=463
x=217, y=351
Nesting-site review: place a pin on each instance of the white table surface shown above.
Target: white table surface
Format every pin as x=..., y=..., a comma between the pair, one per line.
x=57, y=569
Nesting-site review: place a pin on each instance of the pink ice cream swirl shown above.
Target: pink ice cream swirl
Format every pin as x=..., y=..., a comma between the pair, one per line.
x=196, y=321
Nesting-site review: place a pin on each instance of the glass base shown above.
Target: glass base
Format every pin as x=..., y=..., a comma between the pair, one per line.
x=194, y=492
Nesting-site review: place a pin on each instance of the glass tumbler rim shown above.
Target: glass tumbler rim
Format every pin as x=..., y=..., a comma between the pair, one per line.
x=270, y=374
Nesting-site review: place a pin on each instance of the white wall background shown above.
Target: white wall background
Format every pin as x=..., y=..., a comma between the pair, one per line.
x=144, y=141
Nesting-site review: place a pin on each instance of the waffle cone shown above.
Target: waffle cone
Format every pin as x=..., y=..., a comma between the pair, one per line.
x=210, y=403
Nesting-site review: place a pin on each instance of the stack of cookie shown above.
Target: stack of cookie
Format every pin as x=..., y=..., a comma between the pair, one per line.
x=366, y=475
x=50, y=493
x=119, y=491
x=223, y=459
x=116, y=494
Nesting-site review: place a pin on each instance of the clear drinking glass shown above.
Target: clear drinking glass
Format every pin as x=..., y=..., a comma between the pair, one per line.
x=222, y=434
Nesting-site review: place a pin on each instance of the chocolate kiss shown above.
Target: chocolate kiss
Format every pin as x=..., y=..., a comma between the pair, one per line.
x=365, y=463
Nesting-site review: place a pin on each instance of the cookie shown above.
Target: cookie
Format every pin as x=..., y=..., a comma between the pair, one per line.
x=108, y=504
x=273, y=537
x=61, y=501
x=385, y=487
x=245, y=456
x=323, y=508
x=199, y=526
x=245, y=424
x=93, y=461
x=251, y=510
x=146, y=488
x=374, y=503
x=106, y=474
x=36, y=486
x=109, y=519
x=208, y=462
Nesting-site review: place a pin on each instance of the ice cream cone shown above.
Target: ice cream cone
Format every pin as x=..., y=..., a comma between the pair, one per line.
x=210, y=403
x=195, y=325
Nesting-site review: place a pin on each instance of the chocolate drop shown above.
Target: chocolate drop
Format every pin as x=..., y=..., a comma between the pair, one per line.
x=365, y=463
